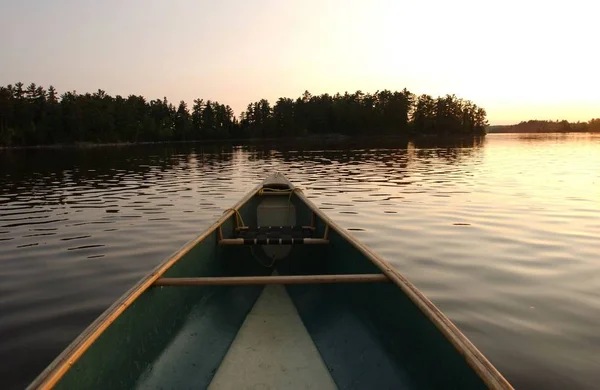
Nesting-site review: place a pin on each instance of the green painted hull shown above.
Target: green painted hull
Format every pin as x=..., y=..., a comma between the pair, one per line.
x=369, y=335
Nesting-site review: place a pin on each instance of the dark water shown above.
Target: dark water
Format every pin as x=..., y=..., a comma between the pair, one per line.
x=503, y=234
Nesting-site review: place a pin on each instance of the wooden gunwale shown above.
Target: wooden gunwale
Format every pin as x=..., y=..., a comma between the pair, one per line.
x=476, y=360
x=56, y=370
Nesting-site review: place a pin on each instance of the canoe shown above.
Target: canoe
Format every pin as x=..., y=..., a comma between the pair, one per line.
x=273, y=295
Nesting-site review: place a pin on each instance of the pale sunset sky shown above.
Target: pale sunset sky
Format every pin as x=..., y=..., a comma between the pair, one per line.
x=519, y=59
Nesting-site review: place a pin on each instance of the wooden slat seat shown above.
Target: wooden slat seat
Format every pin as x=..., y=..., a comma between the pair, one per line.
x=274, y=235
x=275, y=232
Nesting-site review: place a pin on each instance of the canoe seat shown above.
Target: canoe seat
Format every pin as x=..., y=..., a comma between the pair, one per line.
x=274, y=235
x=275, y=232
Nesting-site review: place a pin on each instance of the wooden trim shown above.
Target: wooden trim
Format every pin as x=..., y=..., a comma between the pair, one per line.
x=474, y=358
x=236, y=217
x=293, y=279
x=305, y=241
x=278, y=193
x=63, y=362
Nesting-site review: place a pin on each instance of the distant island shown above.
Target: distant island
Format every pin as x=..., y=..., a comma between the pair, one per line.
x=36, y=116
x=537, y=126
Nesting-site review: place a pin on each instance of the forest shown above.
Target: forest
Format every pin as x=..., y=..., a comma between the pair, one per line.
x=34, y=115
x=541, y=126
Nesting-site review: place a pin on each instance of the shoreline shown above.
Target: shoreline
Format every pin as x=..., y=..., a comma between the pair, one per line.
x=327, y=138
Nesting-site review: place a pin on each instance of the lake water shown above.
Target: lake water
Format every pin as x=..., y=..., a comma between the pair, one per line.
x=502, y=234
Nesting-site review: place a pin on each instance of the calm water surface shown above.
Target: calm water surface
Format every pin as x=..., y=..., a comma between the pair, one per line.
x=503, y=234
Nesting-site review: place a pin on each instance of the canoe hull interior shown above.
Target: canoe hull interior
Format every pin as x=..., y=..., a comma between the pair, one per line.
x=369, y=335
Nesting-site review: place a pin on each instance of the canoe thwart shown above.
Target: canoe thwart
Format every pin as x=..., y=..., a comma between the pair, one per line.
x=273, y=235
x=273, y=241
x=282, y=228
x=277, y=193
x=279, y=279
x=275, y=232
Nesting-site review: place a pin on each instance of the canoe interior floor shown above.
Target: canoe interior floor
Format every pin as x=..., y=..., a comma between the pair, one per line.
x=273, y=350
x=302, y=337
x=198, y=347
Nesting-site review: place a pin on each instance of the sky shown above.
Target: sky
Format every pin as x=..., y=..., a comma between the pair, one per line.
x=520, y=60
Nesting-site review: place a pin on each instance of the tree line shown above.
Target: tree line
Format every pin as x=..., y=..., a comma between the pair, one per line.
x=540, y=126
x=34, y=115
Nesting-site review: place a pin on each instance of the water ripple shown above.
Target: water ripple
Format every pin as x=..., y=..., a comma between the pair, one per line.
x=502, y=235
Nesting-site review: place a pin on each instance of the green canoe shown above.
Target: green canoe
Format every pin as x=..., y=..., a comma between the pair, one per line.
x=273, y=295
